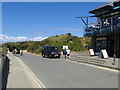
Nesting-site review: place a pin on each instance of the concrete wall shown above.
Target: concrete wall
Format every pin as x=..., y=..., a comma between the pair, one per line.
x=0, y=74
x=24, y=51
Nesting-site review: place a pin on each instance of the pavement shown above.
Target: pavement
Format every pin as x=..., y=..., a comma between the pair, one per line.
x=95, y=60
x=19, y=75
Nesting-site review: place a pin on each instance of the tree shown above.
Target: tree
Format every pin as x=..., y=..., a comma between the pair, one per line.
x=69, y=34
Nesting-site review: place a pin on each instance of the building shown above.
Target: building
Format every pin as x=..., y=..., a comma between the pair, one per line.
x=105, y=32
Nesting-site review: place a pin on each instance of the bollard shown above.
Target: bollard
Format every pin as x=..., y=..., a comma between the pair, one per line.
x=114, y=60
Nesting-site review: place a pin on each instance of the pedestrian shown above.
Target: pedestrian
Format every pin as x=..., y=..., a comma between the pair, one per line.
x=6, y=51
x=64, y=52
x=68, y=53
x=21, y=53
x=13, y=52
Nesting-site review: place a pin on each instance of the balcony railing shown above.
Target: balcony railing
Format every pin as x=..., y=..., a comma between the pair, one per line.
x=103, y=26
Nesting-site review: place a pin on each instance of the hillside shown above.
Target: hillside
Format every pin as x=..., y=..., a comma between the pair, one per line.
x=75, y=43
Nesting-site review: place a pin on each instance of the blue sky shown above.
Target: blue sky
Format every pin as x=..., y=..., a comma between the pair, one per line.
x=44, y=19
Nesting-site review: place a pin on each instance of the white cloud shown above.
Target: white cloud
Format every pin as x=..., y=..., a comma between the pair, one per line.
x=5, y=38
x=68, y=29
x=21, y=38
x=38, y=38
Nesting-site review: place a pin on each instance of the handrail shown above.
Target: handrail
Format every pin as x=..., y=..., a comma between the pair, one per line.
x=103, y=26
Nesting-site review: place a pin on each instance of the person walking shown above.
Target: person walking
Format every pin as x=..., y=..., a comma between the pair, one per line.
x=64, y=52
x=21, y=53
x=6, y=51
x=68, y=53
x=13, y=52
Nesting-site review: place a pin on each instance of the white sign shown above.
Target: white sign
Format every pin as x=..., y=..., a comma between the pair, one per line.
x=91, y=52
x=24, y=51
x=104, y=52
x=65, y=47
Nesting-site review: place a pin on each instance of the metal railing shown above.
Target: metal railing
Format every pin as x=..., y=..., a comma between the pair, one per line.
x=103, y=26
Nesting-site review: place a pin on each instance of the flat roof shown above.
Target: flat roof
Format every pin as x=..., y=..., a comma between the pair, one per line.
x=106, y=6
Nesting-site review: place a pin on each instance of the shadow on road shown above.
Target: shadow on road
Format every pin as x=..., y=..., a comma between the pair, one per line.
x=5, y=73
x=53, y=57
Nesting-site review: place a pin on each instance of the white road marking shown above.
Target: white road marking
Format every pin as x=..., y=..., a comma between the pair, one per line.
x=105, y=68
x=31, y=75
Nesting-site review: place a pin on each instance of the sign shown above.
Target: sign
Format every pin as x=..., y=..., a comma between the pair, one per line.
x=65, y=47
x=104, y=53
x=91, y=52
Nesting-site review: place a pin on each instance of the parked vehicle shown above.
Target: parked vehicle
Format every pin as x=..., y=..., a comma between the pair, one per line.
x=18, y=51
x=50, y=51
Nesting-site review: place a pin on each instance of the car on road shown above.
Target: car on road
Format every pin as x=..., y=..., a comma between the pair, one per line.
x=50, y=51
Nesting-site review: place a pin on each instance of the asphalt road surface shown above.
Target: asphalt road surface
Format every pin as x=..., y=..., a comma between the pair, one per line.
x=61, y=73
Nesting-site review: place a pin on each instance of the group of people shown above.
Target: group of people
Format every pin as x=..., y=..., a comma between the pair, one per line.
x=66, y=53
x=15, y=51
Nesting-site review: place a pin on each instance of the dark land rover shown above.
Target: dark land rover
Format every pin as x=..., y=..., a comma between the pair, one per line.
x=50, y=51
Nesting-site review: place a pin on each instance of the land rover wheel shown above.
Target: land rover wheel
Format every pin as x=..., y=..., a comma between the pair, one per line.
x=43, y=55
x=50, y=56
x=58, y=56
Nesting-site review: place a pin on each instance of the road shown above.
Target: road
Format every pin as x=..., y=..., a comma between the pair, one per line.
x=61, y=73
